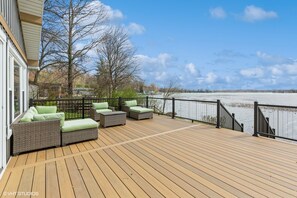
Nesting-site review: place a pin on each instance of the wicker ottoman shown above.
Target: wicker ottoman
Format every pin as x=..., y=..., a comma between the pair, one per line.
x=79, y=130
x=112, y=118
x=141, y=116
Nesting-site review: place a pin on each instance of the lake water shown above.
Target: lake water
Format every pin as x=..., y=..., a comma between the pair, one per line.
x=242, y=105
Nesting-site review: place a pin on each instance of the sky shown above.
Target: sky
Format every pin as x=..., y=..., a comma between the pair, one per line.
x=213, y=44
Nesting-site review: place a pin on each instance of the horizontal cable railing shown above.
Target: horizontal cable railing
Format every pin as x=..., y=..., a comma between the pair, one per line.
x=276, y=121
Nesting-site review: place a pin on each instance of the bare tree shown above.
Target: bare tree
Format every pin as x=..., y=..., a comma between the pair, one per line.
x=78, y=26
x=48, y=52
x=118, y=65
x=168, y=91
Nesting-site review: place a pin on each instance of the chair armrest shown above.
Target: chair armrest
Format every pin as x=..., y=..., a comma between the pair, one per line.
x=111, y=108
x=126, y=109
x=92, y=113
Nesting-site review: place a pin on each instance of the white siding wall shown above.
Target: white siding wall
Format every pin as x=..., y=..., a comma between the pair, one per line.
x=9, y=57
x=2, y=99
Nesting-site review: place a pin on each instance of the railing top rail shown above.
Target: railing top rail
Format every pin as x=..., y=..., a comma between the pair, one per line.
x=158, y=98
x=86, y=98
x=59, y=99
x=188, y=100
x=277, y=106
x=132, y=98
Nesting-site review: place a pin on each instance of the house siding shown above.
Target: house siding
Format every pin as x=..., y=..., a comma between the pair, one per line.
x=9, y=52
x=9, y=11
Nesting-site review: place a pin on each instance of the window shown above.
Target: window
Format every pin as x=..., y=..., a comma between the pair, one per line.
x=17, y=97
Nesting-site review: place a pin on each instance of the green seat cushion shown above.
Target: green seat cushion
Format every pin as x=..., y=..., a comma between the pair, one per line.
x=28, y=116
x=100, y=105
x=103, y=110
x=77, y=125
x=50, y=116
x=130, y=103
x=46, y=109
x=140, y=110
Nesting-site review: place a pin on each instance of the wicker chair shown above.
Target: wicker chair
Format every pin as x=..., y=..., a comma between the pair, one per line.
x=29, y=136
x=136, y=115
x=96, y=116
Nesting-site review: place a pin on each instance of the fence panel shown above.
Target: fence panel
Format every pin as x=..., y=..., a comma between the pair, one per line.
x=282, y=121
x=73, y=108
x=228, y=120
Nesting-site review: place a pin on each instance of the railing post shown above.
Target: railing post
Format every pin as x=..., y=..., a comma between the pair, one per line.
x=242, y=127
x=31, y=102
x=218, y=114
x=273, y=130
x=120, y=103
x=255, y=119
x=83, y=107
x=147, y=102
x=267, y=126
x=173, y=108
x=233, y=121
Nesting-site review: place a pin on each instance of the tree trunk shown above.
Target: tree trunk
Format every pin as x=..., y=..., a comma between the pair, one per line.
x=36, y=77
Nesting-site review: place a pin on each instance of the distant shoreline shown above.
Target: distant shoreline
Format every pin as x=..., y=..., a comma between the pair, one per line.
x=236, y=91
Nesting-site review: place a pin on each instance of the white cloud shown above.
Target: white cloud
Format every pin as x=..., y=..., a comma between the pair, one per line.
x=288, y=68
x=268, y=59
x=113, y=14
x=160, y=76
x=253, y=13
x=134, y=28
x=209, y=78
x=156, y=69
x=191, y=68
x=217, y=13
x=252, y=72
x=276, y=71
x=163, y=59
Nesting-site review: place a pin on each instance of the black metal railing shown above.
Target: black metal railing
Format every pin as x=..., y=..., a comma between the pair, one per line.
x=275, y=121
x=194, y=110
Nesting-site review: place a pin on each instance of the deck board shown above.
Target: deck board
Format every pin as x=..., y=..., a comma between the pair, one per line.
x=159, y=157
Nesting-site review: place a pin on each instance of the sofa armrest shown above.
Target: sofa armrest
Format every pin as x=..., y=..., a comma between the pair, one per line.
x=126, y=109
x=111, y=108
x=92, y=112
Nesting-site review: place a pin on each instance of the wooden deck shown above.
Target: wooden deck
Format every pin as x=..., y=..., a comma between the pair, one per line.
x=158, y=158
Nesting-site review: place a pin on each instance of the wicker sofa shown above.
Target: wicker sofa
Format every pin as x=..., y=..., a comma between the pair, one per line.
x=98, y=108
x=137, y=112
x=33, y=131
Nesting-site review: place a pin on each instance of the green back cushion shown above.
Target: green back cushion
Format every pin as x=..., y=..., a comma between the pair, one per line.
x=100, y=105
x=51, y=116
x=46, y=109
x=28, y=116
x=131, y=103
x=33, y=110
